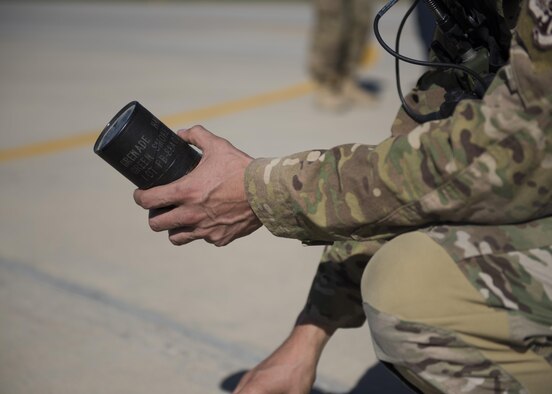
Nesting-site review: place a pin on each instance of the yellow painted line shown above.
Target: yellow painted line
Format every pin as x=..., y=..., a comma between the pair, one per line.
x=42, y=148
x=231, y=107
x=370, y=56
x=188, y=118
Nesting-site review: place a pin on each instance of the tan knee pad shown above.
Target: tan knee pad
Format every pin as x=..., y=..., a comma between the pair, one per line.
x=409, y=276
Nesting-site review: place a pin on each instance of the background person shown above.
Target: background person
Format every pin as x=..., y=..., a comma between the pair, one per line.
x=338, y=46
x=338, y=42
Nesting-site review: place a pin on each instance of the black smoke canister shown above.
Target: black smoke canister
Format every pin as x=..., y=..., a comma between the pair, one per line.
x=143, y=149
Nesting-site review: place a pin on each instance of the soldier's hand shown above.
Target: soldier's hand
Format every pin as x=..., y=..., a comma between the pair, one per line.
x=287, y=370
x=291, y=369
x=210, y=202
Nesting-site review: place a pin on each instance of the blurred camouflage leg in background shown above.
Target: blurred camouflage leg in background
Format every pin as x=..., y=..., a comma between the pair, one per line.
x=465, y=308
x=360, y=22
x=338, y=40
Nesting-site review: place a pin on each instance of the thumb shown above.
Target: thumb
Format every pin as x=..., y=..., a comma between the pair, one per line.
x=197, y=136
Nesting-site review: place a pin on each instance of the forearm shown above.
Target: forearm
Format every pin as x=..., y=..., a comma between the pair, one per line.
x=305, y=343
x=309, y=337
x=488, y=163
x=291, y=368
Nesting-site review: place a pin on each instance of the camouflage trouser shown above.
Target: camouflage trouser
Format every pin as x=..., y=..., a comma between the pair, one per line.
x=465, y=308
x=339, y=37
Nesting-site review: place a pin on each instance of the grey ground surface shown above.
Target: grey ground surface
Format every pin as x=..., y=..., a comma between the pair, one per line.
x=92, y=301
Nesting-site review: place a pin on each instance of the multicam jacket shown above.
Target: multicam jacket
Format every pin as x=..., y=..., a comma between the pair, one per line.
x=490, y=162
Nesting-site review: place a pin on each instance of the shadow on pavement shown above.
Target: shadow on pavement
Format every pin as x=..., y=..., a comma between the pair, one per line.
x=377, y=380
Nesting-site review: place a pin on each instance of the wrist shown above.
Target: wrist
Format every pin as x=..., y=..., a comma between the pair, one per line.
x=309, y=338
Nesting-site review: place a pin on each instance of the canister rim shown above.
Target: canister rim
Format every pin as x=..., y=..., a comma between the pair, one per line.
x=115, y=126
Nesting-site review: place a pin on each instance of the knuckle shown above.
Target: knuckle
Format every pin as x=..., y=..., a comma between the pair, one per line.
x=219, y=243
x=155, y=225
x=174, y=240
x=197, y=129
x=216, y=238
x=185, y=218
x=212, y=238
x=144, y=202
x=138, y=198
x=178, y=191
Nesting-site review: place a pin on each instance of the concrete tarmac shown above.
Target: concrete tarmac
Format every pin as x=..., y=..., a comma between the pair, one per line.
x=93, y=301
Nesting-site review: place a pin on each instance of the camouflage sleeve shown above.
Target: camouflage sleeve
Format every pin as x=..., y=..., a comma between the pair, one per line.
x=490, y=162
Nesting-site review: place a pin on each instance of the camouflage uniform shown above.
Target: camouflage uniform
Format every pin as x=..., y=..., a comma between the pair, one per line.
x=338, y=41
x=454, y=216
